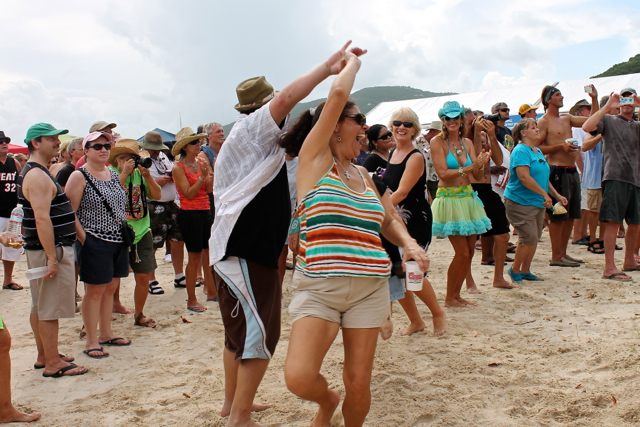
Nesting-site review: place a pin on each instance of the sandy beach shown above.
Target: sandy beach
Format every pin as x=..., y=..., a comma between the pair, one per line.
x=563, y=352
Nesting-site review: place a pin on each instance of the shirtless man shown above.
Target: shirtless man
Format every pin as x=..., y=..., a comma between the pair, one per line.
x=555, y=129
x=496, y=239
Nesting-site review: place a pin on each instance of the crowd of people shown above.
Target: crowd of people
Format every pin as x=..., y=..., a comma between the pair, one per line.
x=355, y=203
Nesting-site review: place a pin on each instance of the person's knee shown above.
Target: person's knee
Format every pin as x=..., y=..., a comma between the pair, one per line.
x=502, y=238
x=299, y=378
x=358, y=384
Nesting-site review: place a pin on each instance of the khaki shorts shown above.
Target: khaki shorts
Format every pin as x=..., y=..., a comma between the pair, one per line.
x=594, y=199
x=54, y=298
x=352, y=302
x=527, y=220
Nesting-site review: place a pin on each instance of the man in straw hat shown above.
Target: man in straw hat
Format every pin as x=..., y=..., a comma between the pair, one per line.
x=252, y=216
x=555, y=130
x=139, y=186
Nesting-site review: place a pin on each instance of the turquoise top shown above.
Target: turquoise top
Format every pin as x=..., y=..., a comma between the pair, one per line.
x=452, y=162
x=523, y=155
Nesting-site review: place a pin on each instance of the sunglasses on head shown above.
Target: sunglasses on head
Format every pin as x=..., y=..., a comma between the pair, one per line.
x=195, y=142
x=448, y=119
x=359, y=118
x=99, y=147
x=385, y=136
x=398, y=123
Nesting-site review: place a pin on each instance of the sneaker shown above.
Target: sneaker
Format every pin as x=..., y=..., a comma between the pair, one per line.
x=155, y=288
x=167, y=258
x=515, y=277
x=531, y=277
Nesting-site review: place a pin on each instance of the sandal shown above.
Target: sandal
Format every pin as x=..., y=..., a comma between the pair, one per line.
x=199, y=282
x=148, y=323
x=596, y=247
x=13, y=287
x=180, y=283
x=155, y=288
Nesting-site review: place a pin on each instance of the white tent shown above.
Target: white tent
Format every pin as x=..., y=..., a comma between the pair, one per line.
x=573, y=91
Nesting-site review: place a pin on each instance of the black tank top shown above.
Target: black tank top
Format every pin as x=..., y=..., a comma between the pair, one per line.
x=61, y=213
x=8, y=194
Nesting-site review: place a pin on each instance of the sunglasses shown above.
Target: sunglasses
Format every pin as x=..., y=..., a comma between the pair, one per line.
x=385, y=136
x=195, y=142
x=448, y=119
x=505, y=110
x=99, y=147
x=398, y=123
x=4, y=141
x=359, y=118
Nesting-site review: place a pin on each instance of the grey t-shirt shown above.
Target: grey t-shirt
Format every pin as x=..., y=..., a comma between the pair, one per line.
x=621, y=149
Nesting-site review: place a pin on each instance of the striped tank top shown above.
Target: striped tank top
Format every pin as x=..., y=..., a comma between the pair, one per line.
x=339, y=231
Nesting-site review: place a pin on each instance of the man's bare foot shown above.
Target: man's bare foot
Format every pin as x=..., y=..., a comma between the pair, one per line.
x=440, y=324
x=473, y=289
x=324, y=415
x=121, y=309
x=413, y=328
x=465, y=302
x=15, y=416
x=255, y=407
x=504, y=284
x=386, y=330
x=453, y=303
x=246, y=423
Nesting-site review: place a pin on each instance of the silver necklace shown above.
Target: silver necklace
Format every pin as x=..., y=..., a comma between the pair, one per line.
x=346, y=174
x=194, y=166
x=458, y=151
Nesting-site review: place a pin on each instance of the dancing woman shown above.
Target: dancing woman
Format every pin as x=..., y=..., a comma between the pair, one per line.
x=342, y=270
x=457, y=212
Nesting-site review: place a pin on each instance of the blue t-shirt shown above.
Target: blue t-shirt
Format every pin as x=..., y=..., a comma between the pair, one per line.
x=592, y=176
x=523, y=155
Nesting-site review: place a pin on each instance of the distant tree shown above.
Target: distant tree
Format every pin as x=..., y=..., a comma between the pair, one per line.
x=632, y=66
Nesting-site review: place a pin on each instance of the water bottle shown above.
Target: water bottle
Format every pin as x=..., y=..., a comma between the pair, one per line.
x=14, y=228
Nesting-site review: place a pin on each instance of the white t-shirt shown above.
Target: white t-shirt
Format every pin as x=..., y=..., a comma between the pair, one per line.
x=160, y=167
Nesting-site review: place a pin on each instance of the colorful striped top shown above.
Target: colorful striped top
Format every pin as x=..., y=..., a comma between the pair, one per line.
x=339, y=231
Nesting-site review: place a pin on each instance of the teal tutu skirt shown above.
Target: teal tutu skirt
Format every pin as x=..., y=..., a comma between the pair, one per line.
x=457, y=211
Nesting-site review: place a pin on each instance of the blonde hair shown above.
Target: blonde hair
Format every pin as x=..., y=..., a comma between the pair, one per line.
x=409, y=114
x=444, y=134
x=520, y=127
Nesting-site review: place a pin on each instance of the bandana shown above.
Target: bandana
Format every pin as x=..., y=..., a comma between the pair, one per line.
x=548, y=95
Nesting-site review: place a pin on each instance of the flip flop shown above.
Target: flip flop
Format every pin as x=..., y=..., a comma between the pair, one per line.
x=616, y=276
x=636, y=268
x=563, y=263
x=100, y=349
x=114, y=342
x=62, y=356
x=212, y=299
x=197, y=309
x=491, y=263
x=61, y=372
x=199, y=282
x=13, y=287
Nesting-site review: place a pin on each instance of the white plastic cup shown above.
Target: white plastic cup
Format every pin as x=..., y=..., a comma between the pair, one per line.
x=413, y=278
x=36, y=273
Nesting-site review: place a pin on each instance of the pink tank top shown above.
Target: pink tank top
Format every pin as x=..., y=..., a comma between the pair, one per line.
x=201, y=201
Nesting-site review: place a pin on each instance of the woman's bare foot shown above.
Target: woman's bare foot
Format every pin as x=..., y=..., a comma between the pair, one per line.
x=121, y=309
x=386, y=330
x=413, y=328
x=15, y=416
x=256, y=407
x=504, y=284
x=473, y=289
x=440, y=324
x=324, y=415
x=453, y=303
x=465, y=302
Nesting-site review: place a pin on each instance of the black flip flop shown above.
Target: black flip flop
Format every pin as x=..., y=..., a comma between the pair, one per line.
x=61, y=372
x=113, y=342
x=62, y=356
x=100, y=349
x=13, y=287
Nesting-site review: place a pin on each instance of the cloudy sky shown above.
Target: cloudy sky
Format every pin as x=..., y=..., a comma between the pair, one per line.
x=146, y=64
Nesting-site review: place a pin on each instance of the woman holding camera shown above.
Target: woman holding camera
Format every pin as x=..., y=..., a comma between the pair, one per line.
x=457, y=211
x=194, y=181
x=103, y=258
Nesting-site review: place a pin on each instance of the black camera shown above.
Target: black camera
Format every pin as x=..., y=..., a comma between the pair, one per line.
x=495, y=118
x=145, y=162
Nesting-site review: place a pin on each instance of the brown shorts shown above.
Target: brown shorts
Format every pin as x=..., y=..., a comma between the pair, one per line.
x=54, y=298
x=352, y=302
x=594, y=199
x=250, y=296
x=527, y=220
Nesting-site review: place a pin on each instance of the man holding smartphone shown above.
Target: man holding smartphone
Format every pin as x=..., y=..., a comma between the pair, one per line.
x=555, y=130
x=621, y=177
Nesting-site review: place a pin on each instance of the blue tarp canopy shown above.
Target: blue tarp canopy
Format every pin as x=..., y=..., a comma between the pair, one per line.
x=166, y=136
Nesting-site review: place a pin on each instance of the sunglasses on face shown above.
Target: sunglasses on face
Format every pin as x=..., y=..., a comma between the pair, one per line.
x=4, y=141
x=195, y=142
x=448, y=119
x=359, y=118
x=99, y=147
x=385, y=136
x=398, y=123
x=505, y=110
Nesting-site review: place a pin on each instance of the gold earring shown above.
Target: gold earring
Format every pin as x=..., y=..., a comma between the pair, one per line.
x=339, y=139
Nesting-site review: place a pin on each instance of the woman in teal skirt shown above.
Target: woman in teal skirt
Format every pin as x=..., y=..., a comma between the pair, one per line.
x=457, y=211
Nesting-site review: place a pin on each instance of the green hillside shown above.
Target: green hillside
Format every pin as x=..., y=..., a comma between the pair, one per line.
x=367, y=98
x=632, y=66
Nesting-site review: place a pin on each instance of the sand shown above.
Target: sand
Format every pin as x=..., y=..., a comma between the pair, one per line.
x=563, y=352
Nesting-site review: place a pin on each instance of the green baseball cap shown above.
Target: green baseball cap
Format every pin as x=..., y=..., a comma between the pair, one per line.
x=42, y=129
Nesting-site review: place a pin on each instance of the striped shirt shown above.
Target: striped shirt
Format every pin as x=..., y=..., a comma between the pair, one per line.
x=339, y=231
x=61, y=213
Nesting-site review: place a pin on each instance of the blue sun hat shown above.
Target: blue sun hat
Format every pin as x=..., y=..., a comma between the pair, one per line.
x=451, y=109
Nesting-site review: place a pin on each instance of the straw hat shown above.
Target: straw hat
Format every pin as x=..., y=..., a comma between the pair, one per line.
x=64, y=146
x=253, y=93
x=183, y=137
x=126, y=146
x=101, y=125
